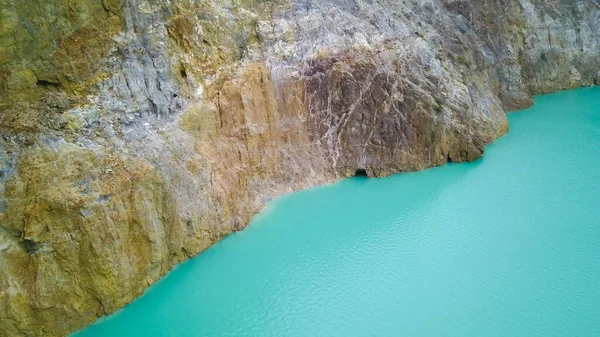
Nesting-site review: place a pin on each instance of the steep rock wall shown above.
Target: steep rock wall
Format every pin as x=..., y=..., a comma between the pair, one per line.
x=137, y=133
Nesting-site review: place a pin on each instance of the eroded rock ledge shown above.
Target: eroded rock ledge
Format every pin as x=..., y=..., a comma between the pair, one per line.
x=137, y=133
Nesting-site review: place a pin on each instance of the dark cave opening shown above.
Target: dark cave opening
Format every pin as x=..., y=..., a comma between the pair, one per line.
x=361, y=173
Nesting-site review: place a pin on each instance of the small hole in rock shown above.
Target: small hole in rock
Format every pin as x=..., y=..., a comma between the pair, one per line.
x=361, y=173
x=183, y=73
x=46, y=84
x=31, y=247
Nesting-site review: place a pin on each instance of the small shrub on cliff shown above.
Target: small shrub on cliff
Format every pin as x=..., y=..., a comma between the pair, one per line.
x=463, y=60
x=439, y=104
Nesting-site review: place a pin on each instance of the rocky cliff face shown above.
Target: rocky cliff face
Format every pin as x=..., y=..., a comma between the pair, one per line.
x=136, y=133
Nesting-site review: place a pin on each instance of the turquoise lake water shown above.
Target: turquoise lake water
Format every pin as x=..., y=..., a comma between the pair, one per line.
x=505, y=246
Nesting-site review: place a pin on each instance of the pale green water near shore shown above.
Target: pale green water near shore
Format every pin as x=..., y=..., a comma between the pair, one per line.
x=506, y=246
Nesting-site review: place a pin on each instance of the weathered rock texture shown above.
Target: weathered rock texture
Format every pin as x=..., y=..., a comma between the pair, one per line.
x=137, y=133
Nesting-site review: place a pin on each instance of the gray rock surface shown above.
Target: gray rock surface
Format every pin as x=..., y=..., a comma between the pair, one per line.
x=136, y=133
